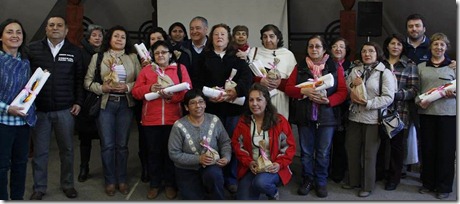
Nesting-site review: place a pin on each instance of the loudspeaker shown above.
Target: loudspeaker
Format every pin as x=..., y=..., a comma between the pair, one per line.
x=370, y=18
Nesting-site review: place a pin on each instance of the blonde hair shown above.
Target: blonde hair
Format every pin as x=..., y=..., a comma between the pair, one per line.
x=440, y=36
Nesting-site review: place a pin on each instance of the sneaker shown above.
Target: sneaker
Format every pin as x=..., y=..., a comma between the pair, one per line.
x=364, y=193
x=442, y=195
x=321, y=191
x=305, y=187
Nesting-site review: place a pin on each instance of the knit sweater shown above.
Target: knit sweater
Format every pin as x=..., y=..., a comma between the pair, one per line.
x=184, y=141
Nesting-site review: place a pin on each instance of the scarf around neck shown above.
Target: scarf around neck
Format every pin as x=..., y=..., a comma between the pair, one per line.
x=317, y=67
x=244, y=47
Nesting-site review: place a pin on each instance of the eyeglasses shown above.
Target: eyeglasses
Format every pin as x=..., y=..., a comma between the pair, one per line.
x=338, y=47
x=161, y=52
x=194, y=103
x=367, y=51
x=315, y=46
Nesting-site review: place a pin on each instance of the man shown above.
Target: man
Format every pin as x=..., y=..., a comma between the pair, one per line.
x=57, y=104
x=417, y=44
x=196, y=44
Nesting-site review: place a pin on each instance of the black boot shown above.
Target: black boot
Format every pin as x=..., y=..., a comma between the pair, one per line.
x=85, y=154
x=83, y=176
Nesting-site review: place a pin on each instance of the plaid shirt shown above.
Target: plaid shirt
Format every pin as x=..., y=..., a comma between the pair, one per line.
x=14, y=74
x=407, y=77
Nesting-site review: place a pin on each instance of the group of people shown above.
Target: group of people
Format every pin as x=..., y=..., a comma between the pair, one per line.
x=199, y=146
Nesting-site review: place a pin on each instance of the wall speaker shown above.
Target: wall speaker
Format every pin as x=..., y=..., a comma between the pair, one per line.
x=370, y=18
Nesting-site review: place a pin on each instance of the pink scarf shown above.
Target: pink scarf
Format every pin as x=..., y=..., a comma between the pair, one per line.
x=317, y=67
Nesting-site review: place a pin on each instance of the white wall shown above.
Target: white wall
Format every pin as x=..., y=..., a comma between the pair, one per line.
x=252, y=13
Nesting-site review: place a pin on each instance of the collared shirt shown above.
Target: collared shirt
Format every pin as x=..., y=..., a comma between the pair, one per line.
x=55, y=49
x=199, y=48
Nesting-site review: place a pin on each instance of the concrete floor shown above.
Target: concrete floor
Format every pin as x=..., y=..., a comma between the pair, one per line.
x=93, y=188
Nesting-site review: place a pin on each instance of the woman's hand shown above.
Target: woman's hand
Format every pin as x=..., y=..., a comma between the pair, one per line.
x=270, y=83
x=357, y=81
x=218, y=99
x=155, y=87
x=145, y=62
x=121, y=87
x=206, y=160
x=16, y=111
x=106, y=88
x=274, y=168
x=166, y=95
x=222, y=162
x=424, y=104
x=253, y=167
x=230, y=94
x=242, y=55
x=450, y=94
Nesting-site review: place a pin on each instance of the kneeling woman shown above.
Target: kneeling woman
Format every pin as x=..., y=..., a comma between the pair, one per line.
x=262, y=122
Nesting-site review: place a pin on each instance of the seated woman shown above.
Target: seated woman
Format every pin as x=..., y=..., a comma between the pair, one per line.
x=198, y=174
x=261, y=122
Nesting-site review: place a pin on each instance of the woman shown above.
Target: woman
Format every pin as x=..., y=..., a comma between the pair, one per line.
x=159, y=115
x=340, y=50
x=437, y=121
x=86, y=125
x=261, y=122
x=362, y=139
x=240, y=37
x=199, y=175
x=272, y=41
x=316, y=117
x=14, y=125
x=116, y=112
x=219, y=60
x=177, y=34
x=407, y=87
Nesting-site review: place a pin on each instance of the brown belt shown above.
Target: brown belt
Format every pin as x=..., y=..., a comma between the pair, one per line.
x=116, y=98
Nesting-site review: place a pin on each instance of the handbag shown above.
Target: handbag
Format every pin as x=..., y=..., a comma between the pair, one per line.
x=92, y=103
x=389, y=121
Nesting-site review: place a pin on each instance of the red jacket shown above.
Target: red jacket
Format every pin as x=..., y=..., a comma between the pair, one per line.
x=158, y=111
x=282, y=147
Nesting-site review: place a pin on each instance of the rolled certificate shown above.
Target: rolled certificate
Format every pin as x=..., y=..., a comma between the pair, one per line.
x=172, y=89
x=438, y=92
x=142, y=51
x=322, y=83
x=27, y=96
x=212, y=93
x=257, y=68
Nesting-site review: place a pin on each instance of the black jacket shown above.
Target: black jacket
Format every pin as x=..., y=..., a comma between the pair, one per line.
x=64, y=87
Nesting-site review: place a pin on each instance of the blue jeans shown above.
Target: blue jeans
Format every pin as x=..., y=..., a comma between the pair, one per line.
x=230, y=169
x=315, y=145
x=205, y=183
x=160, y=166
x=114, y=125
x=252, y=185
x=62, y=122
x=14, y=148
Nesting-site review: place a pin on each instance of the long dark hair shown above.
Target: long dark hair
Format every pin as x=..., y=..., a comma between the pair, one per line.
x=156, y=30
x=178, y=24
x=347, y=46
x=22, y=47
x=129, y=47
x=271, y=113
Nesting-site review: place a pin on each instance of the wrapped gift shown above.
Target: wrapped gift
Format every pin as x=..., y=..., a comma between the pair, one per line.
x=438, y=92
x=229, y=83
x=274, y=73
x=172, y=89
x=322, y=83
x=216, y=91
x=143, y=52
x=209, y=150
x=263, y=162
x=112, y=77
x=27, y=96
x=162, y=79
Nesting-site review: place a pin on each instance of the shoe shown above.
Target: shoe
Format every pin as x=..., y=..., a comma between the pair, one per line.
x=37, y=195
x=152, y=193
x=123, y=188
x=305, y=187
x=70, y=192
x=83, y=176
x=424, y=190
x=442, y=195
x=321, y=191
x=390, y=186
x=364, y=193
x=232, y=188
x=348, y=186
x=110, y=189
x=170, y=192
